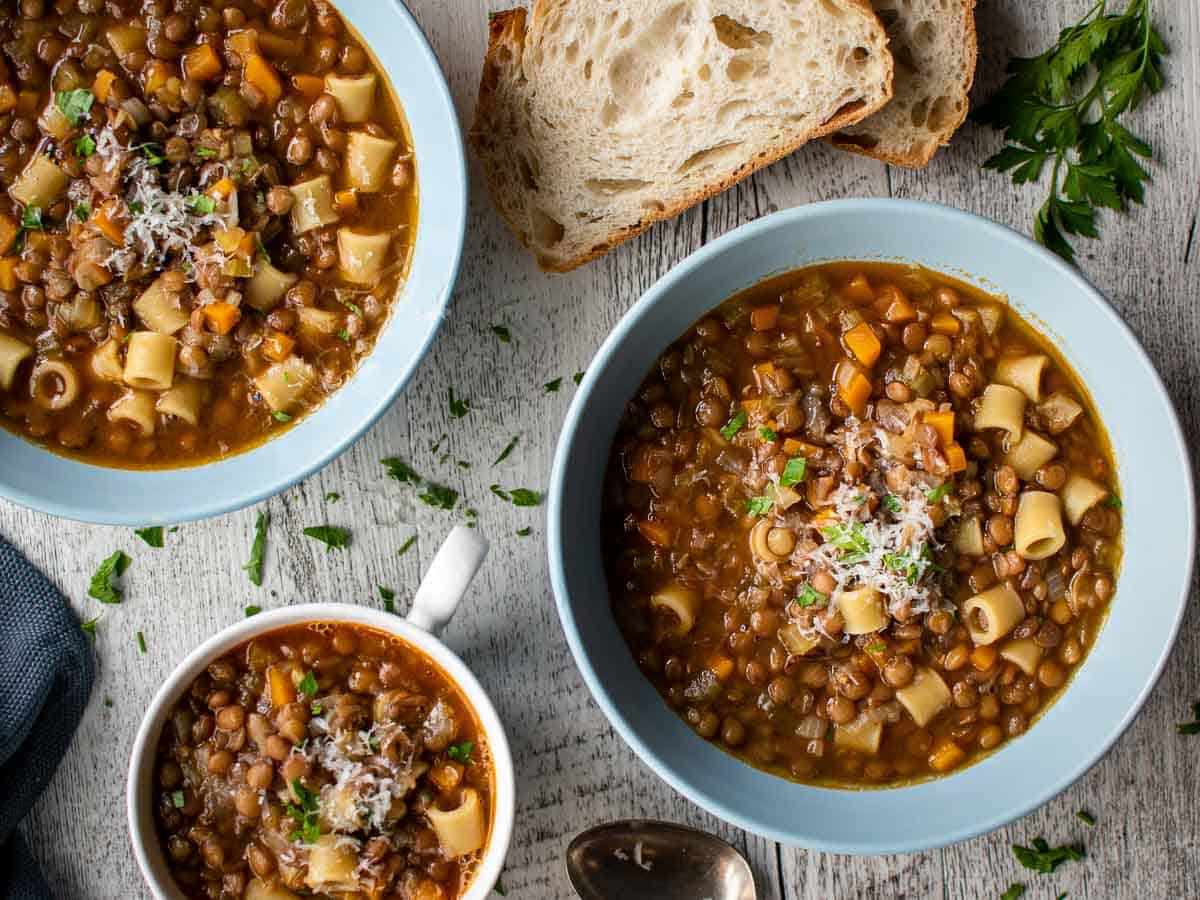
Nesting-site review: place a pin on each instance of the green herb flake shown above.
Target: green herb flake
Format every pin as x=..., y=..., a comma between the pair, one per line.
x=152, y=536
x=333, y=497
x=178, y=799
x=768, y=434
x=83, y=212
x=141, y=643
x=1192, y=727
x=89, y=627
x=205, y=152
x=939, y=492
x=386, y=593
x=760, y=506
x=810, y=596
x=75, y=105
x=1043, y=858
x=577, y=378
x=1086, y=818
x=31, y=219
x=517, y=496
x=851, y=540
x=524, y=532
x=459, y=407
x=551, y=387
x=252, y=611
x=793, y=471
x=461, y=752
x=1014, y=891
x=734, y=425
x=876, y=648
x=85, y=146
x=333, y=537
x=101, y=587
x=438, y=496
x=401, y=471
x=308, y=685
x=306, y=814
x=502, y=332
x=258, y=550
x=1112, y=501
x=407, y=545
x=108, y=702
x=499, y=889
x=344, y=334
x=202, y=205
x=507, y=451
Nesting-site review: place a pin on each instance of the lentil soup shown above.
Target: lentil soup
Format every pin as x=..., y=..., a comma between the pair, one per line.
x=323, y=760
x=861, y=525
x=208, y=209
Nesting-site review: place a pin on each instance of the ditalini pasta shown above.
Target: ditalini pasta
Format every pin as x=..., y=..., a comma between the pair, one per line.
x=862, y=610
x=368, y=161
x=136, y=408
x=1002, y=407
x=284, y=384
x=150, y=360
x=992, y=614
x=55, y=384
x=1023, y=373
x=925, y=697
x=159, y=308
x=355, y=96
x=182, y=400
x=1030, y=454
x=12, y=354
x=862, y=736
x=679, y=603
x=1079, y=495
x=1038, y=532
x=313, y=204
x=460, y=830
x=1025, y=653
x=363, y=256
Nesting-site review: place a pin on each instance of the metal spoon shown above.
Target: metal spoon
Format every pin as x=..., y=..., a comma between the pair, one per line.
x=640, y=859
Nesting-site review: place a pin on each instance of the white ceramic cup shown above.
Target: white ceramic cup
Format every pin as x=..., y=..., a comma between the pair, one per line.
x=435, y=601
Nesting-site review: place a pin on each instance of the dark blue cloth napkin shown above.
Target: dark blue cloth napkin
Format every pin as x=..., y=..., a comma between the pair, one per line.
x=46, y=672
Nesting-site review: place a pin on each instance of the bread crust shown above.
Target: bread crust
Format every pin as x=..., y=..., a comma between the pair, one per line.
x=506, y=38
x=921, y=159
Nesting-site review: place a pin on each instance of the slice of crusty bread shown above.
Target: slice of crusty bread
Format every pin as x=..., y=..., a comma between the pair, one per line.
x=934, y=44
x=600, y=118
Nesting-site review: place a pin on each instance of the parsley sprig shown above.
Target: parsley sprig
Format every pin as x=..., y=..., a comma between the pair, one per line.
x=1043, y=858
x=1061, y=110
x=306, y=814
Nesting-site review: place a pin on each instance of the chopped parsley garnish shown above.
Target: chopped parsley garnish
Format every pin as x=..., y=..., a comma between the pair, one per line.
x=939, y=492
x=400, y=470
x=75, y=105
x=1014, y=891
x=507, y=451
x=316, y=708
x=438, y=496
x=141, y=642
x=101, y=587
x=810, y=596
x=136, y=208
x=577, y=378
x=308, y=685
x=386, y=593
x=252, y=611
x=768, y=434
x=407, y=545
x=461, y=752
x=258, y=550
x=517, y=496
x=205, y=152
x=891, y=503
x=502, y=332
x=499, y=889
x=333, y=537
x=851, y=540
x=793, y=472
x=85, y=146
x=734, y=425
x=760, y=506
x=459, y=407
x=344, y=335
x=1086, y=818
x=524, y=532
x=152, y=536
x=31, y=219
x=1112, y=501
x=1192, y=727
x=551, y=387
x=89, y=627
x=912, y=564
x=306, y=814
x=83, y=212
x=199, y=203
x=1043, y=858
x=333, y=497
x=178, y=799
x=150, y=150
x=353, y=307
x=877, y=648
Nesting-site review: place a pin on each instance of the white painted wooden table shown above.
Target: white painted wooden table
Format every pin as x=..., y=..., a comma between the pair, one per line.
x=574, y=771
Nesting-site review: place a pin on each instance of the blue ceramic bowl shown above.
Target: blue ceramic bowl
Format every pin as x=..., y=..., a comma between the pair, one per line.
x=42, y=480
x=1123, y=666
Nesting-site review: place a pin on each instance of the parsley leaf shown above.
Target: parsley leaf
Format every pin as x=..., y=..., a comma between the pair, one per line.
x=306, y=815
x=810, y=596
x=760, y=506
x=459, y=407
x=152, y=536
x=31, y=219
x=101, y=587
x=734, y=425
x=461, y=752
x=939, y=492
x=83, y=211
x=344, y=334
x=202, y=205
x=252, y=611
x=793, y=472
x=1192, y=727
x=502, y=332
x=205, y=152
x=75, y=105
x=280, y=416
x=406, y=546
x=577, y=378
x=507, y=451
x=308, y=685
x=1060, y=110
x=89, y=627
x=258, y=550
x=851, y=540
x=1014, y=891
x=1112, y=501
x=141, y=642
x=333, y=537
x=768, y=434
x=438, y=496
x=85, y=146
x=386, y=593
x=400, y=470
x=891, y=503
x=333, y=497
x=524, y=532
x=551, y=387
x=1086, y=818
x=1043, y=858
x=517, y=496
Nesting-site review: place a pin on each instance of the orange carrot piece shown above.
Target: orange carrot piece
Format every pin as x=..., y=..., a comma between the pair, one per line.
x=721, y=666
x=222, y=317
x=9, y=229
x=945, y=323
x=657, y=533
x=243, y=43
x=894, y=306
x=862, y=342
x=8, y=99
x=309, y=86
x=283, y=691
x=346, y=202
x=8, y=273
x=201, y=63
x=278, y=346
x=943, y=423
x=956, y=458
x=263, y=76
x=105, y=219
x=156, y=75
x=223, y=189
x=858, y=289
x=853, y=386
x=102, y=84
x=946, y=755
x=764, y=318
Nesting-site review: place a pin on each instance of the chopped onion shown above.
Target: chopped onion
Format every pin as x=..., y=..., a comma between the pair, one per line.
x=1056, y=585
x=136, y=108
x=811, y=727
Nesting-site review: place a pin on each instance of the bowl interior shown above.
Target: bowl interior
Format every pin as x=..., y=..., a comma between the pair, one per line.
x=1158, y=509
x=140, y=780
x=42, y=480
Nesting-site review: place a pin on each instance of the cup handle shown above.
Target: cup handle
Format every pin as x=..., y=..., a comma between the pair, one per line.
x=446, y=582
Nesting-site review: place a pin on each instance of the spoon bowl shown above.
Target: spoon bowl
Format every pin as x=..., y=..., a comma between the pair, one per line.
x=641, y=859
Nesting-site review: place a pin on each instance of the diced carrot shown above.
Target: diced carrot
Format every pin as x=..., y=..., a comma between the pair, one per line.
x=103, y=83
x=223, y=189
x=156, y=75
x=9, y=229
x=229, y=239
x=763, y=318
x=955, y=457
x=346, y=202
x=944, y=323
x=946, y=755
x=862, y=342
x=8, y=273
x=283, y=691
x=858, y=289
x=106, y=219
x=853, y=387
x=943, y=424
x=721, y=666
x=262, y=75
x=309, y=86
x=8, y=99
x=202, y=63
x=793, y=447
x=894, y=306
x=222, y=317
x=243, y=43
x=247, y=245
x=278, y=346
x=657, y=533
x=983, y=657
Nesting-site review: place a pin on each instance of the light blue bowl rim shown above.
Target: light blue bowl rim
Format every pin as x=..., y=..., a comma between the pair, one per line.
x=1020, y=805
x=452, y=199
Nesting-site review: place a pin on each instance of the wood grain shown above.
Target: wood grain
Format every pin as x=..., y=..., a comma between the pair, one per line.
x=574, y=771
